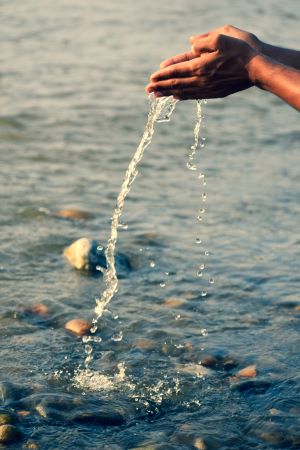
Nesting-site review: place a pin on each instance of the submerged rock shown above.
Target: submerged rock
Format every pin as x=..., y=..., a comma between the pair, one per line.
x=247, y=372
x=108, y=418
x=78, y=326
x=39, y=309
x=10, y=393
x=86, y=254
x=9, y=433
x=7, y=418
x=252, y=386
x=73, y=214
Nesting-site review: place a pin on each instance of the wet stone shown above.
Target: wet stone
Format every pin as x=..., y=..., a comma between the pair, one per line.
x=144, y=344
x=252, y=386
x=247, y=372
x=73, y=214
x=31, y=445
x=219, y=362
x=39, y=309
x=104, y=418
x=10, y=393
x=80, y=327
x=9, y=433
x=7, y=418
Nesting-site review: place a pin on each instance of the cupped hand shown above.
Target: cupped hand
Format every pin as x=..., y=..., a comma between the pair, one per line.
x=215, y=67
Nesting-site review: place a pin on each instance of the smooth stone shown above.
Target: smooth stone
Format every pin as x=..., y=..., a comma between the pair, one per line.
x=7, y=418
x=31, y=445
x=39, y=309
x=255, y=386
x=9, y=433
x=73, y=214
x=173, y=302
x=80, y=327
x=144, y=344
x=24, y=413
x=77, y=253
x=10, y=393
x=199, y=444
x=247, y=372
x=226, y=362
x=194, y=369
x=105, y=418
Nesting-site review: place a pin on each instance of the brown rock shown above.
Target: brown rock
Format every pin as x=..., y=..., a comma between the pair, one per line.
x=40, y=309
x=23, y=413
x=73, y=214
x=144, y=344
x=247, y=372
x=32, y=445
x=9, y=433
x=297, y=308
x=173, y=302
x=78, y=326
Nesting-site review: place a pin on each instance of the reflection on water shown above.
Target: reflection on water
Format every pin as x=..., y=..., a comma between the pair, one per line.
x=213, y=280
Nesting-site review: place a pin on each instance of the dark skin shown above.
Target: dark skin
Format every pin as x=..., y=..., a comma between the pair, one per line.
x=226, y=61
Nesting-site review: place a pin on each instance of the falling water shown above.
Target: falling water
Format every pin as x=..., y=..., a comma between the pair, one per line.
x=160, y=111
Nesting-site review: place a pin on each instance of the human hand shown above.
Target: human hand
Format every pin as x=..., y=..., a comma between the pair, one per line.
x=227, y=30
x=215, y=67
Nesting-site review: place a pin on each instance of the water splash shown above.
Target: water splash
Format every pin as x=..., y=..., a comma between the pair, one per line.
x=160, y=111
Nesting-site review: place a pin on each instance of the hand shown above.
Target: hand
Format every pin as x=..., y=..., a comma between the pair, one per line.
x=215, y=67
x=227, y=30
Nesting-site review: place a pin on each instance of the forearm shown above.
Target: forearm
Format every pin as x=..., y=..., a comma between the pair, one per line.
x=276, y=78
x=284, y=56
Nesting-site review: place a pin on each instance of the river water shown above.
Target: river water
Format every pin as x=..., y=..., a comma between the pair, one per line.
x=73, y=109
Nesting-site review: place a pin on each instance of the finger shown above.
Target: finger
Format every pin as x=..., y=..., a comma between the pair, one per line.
x=192, y=39
x=173, y=83
x=179, y=94
x=180, y=70
x=182, y=57
x=206, y=45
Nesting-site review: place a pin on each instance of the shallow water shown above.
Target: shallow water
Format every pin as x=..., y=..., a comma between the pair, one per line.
x=73, y=109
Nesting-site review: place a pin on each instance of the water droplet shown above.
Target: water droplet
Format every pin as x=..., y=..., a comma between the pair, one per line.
x=203, y=294
x=117, y=337
x=152, y=264
x=202, y=144
x=202, y=266
x=201, y=175
x=204, y=332
x=167, y=273
x=191, y=166
x=178, y=317
x=206, y=253
x=201, y=211
x=199, y=273
x=204, y=197
x=200, y=218
x=211, y=280
x=140, y=249
x=93, y=329
x=88, y=349
x=198, y=241
x=99, y=248
x=100, y=269
x=162, y=284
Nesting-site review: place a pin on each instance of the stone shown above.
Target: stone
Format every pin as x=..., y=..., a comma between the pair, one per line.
x=24, y=413
x=9, y=433
x=144, y=344
x=73, y=214
x=7, y=418
x=39, y=309
x=247, y=372
x=199, y=444
x=80, y=327
x=173, y=302
x=31, y=445
x=194, y=369
x=10, y=392
x=78, y=253
x=252, y=386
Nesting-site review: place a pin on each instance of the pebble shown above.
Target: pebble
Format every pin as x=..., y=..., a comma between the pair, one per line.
x=39, y=309
x=194, y=369
x=9, y=433
x=199, y=444
x=247, y=372
x=7, y=418
x=73, y=214
x=255, y=386
x=10, y=392
x=77, y=253
x=219, y=362
x=31, y=445
x=144, y=344
x=173, y=302
x=80, y=327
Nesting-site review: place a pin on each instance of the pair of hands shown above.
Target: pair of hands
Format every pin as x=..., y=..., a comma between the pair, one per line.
x=216, y=66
